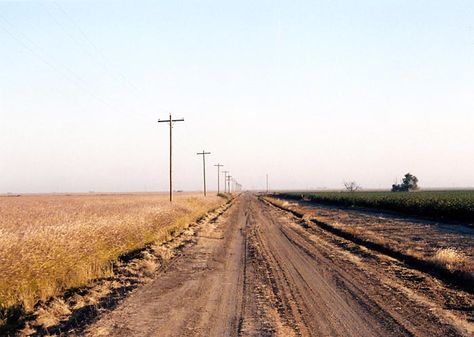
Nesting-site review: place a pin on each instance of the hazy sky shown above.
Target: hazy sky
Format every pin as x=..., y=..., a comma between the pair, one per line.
x=312, y=92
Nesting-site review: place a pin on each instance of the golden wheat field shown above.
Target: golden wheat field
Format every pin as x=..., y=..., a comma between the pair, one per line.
x=49, y=243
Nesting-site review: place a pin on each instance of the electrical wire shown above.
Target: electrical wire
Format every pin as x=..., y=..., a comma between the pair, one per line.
x=104, y=61
x=66, y=72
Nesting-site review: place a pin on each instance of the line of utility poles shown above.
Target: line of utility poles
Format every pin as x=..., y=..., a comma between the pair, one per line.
x=225, y=181
x=237, y=186
x=227, y=178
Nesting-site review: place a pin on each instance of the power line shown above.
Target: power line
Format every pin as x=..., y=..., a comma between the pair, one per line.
x=67, y=73
x=65, y=31
x=105, y=62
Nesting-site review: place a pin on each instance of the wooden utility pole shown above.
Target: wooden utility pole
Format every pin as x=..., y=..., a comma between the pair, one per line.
x=218, y=178
x=171, y=121
x=203, y=154
x=225, y=180
x=267, y=183
x=228, y=184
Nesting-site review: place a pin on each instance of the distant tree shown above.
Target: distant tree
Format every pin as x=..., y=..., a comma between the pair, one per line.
x=351, y=186
x=409, y=183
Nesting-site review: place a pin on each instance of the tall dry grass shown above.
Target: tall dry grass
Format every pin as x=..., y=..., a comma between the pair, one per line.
x=50, y=243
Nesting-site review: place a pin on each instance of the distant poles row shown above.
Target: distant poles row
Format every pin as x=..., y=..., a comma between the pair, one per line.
x=227, y=178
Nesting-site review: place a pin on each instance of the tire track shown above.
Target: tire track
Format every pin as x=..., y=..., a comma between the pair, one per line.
x=360, y=276
x=259, y=271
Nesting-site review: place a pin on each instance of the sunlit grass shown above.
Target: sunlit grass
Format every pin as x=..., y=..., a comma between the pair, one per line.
x=50, y=243
x=450, y=258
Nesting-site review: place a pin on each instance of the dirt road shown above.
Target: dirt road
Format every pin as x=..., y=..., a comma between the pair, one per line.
x=258, y=271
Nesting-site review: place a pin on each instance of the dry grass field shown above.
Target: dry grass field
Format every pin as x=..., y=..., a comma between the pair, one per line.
x=49, y=243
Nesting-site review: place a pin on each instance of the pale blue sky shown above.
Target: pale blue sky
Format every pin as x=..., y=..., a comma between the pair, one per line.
x=312, y=92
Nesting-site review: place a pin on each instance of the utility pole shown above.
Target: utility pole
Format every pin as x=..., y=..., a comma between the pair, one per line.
x=171, y=121
x=228, y=184
x=218, y=178
x=203, y=154
x=225, y=180
x=267, y=183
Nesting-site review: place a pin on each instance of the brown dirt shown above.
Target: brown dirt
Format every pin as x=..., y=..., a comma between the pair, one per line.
x=442, y=250
x=77, y=308
x=422, y=237
x=259, y=271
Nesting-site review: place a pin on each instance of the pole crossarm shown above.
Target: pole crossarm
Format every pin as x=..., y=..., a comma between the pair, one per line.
x=170, y=120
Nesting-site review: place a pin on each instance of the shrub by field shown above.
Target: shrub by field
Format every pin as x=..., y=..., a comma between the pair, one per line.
x=50, y=243
x=448, y=205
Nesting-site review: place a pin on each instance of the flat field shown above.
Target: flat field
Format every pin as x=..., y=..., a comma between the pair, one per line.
x=433, y=241
x=260, y=271
x=446, y=205
x=259, y=267
x=49, y=243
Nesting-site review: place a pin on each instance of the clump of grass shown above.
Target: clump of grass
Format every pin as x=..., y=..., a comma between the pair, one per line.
x=226, y=196
x=51, y=243
x=451, y=259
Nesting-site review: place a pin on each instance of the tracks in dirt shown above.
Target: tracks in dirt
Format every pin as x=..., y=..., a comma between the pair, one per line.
x=73, y=312
x=405, y=301
x=258, y=271
x=200, y=294
x=464, y=281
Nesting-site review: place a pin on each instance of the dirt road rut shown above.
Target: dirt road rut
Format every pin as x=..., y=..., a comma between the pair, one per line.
x=257, y=271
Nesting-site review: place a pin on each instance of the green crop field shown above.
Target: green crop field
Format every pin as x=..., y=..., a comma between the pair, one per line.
x=448, y=205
